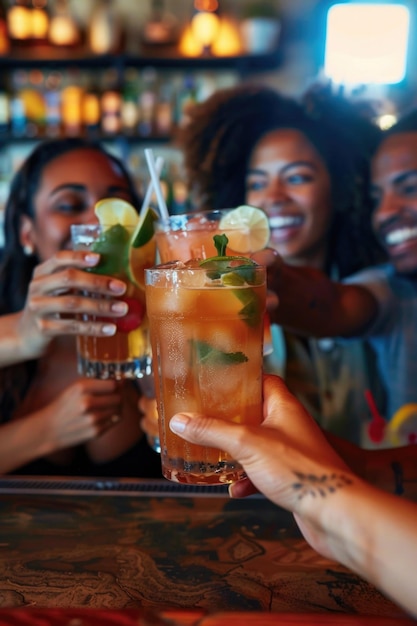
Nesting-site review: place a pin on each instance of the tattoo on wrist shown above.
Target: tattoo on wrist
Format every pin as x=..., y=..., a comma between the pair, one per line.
x=398, y=478
x=309, y=484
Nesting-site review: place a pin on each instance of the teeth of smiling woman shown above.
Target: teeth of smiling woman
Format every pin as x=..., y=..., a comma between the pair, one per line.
x=282, y=221
x=400, y=235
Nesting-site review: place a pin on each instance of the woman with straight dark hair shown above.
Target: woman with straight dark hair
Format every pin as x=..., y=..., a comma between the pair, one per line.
x=52, y=421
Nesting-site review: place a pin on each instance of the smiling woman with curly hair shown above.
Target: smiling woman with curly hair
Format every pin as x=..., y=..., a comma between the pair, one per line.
x=223, y=132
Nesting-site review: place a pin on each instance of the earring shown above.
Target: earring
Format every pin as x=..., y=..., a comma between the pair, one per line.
x=28, y=250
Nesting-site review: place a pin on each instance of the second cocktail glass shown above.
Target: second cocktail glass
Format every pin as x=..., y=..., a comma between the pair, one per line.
x=190, y=235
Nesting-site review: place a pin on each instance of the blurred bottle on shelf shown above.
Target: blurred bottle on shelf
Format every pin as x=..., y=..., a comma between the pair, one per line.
x=185, y=98
x=91, y=109
x=26, y=104
x=111, y=103
x=52, y=95
x=105, y=32
x=130, y=104
x=71, y=103
x=34, y=100
x=160, y=27
x=147, y=101
x=180, y=197
x=40, y=20
x=63, y=28
x=4, y=108
x=18, y=121
x=164, y=113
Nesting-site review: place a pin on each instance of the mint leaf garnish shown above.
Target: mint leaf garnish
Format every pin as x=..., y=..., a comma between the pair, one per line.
x=113, y=247
x=220, y=242
x=208, y=355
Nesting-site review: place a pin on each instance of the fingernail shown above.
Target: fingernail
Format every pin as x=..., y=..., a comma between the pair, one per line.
x=91, y=258
x=108, y=329
x=119, y=307
x=117, y=286
x=178, y=423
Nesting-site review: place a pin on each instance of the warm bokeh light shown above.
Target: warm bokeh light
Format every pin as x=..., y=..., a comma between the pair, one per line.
x=205, y=27
x=228, y=41
x=39, y=24
x=91, y=111
x=367, y=43
x=63, y=31
x=188, y=46
x=71, y=107
x=19, y=22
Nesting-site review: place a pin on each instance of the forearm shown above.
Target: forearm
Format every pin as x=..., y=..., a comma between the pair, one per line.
x=22, y=441
x=11, y=345
x=374, y=534
x=394, y=470
x=310, y=303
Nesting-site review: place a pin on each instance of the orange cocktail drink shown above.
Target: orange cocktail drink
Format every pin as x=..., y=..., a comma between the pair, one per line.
x=206, y=330
x=190, y=235
x=126, y=354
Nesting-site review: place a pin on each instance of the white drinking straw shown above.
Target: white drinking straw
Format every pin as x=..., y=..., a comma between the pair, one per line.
x=158, y=166
x=163, y=211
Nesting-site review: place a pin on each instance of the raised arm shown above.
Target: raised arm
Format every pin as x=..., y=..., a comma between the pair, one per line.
x=344, y=518
x=307, y=301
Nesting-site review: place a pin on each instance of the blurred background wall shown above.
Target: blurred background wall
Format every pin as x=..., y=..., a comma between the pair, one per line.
x=131, y=68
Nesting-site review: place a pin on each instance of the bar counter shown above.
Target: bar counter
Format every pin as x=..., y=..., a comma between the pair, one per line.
x=87, y=551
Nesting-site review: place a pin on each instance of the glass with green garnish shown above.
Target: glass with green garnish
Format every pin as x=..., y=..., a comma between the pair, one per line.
x=126, y=246
x=206, y=328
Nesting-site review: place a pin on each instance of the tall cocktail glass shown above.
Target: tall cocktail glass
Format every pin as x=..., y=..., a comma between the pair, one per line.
x=126, y=354
x=206, y=332
x=190, y=236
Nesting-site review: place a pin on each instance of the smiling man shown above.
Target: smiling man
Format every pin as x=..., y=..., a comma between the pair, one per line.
x=378, y=303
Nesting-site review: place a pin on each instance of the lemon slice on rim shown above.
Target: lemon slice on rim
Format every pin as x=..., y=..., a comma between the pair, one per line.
x=402, y=428
x=247, y=229
x=111, y=211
